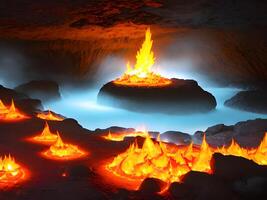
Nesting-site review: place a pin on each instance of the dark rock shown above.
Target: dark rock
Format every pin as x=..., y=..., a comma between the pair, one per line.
x=251, y=188
x=247, y=133
x=6, y=94
x=205, y=186
x=175, y=137
x=234, y=168
x=182, y=96
x=80, y=23
x=29, y=105
x=252, y=101
x=180, y=191
x=40, y=89
x=151, y=186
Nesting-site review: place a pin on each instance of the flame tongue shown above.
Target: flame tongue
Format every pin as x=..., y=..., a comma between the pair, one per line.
x=10, y=171
x=46, y=136
x=11, y=113
x=141, y=74
x=63, y=151
x=49, y=116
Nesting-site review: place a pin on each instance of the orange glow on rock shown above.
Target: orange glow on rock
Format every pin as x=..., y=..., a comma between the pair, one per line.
x=11, y=113
x=46, y=137
x=49, y=116
x=10, y=172
x=141, y=74
x=62, y=151
x=122, y=136
x=162, y=161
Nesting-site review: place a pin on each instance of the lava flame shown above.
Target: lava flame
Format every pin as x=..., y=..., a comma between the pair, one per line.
x=11, y=113
x=46, y=137
x=62, y=151
x=122, y=136
x=141, y=74
x=49, y=116
x=10, y=171
x=159, y=160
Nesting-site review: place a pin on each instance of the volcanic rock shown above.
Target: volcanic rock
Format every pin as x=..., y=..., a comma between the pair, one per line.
x=252, y=101
x=247, y=133
x=151, y=186
x=175, y=137
x=181, y=96
x=41, y=89
x=180, y=191
x=6, y=94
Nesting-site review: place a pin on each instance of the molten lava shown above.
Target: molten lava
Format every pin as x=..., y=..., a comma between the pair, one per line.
x=62, y=151
x=168, y=163
x=46, y=137
x=141, y=74
x=49, y=116
x=11, y=113
x=122, y=136
x=10, y=172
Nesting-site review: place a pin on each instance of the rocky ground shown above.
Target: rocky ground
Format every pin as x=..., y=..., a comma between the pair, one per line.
x=232, y=178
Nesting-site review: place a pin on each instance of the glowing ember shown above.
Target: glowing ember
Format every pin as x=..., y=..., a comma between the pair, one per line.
x=121, y=136
x=49, y=116
x=10, y=171
x=168, y=163
x=11, y=113
x=3, y=108
x=46, y=137
x=62, y=151
x=141, y=74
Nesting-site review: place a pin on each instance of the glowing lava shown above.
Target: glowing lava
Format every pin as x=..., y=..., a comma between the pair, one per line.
x=11, y=113
x=10, y=171
x=122, y=136
x=170, y=163
x=141, y=74
x=46, y=137
x=62, y=151
x=49, y=116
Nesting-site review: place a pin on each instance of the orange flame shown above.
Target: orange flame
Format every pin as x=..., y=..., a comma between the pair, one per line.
x=62, y=151
x=49, y=116
x=159, y=160
x=141, y=74
x=11, y=113
x=46, y=137
x=10, y=171
x=122, y=136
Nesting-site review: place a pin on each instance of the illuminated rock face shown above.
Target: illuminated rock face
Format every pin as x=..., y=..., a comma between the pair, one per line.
x=181, y=96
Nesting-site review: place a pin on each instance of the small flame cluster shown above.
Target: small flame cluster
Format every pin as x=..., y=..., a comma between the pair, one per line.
x=170, y=163
x=10, y=113
x=10, y=171
x=49, y=116
x=141, y=75
x=122, y=136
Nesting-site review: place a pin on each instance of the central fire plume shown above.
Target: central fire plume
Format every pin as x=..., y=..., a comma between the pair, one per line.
x=62, y=151
x=141, y=74
x=10, y=172
x=10, y=113
x=46, y=137
x=170, y=163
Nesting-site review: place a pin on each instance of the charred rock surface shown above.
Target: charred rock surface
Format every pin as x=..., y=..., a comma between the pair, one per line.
x=181, y=96
x=252, y=101
x=246, y=133
x=40, y=89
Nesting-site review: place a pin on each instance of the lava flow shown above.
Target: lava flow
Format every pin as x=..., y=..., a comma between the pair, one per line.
x=10, y=171
x=46, y=137
x=62, y=151
x=122, y=136
x=170, y=163
x=141, y=74
x=49, y=116
x=11, y=113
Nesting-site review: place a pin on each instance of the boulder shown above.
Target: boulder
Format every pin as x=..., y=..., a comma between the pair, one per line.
x=40, y=89
x=252, y=101
x=180, y=97
x=151, y=186
x=175, y=137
